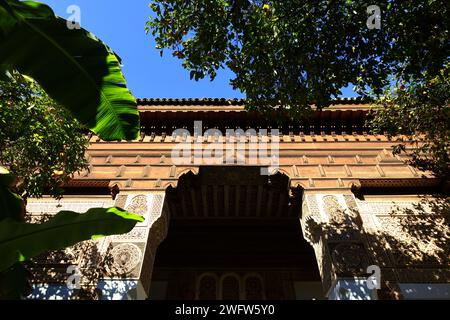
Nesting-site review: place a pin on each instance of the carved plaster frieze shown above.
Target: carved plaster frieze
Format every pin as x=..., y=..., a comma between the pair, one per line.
x=125, y=258
x=334, y=210
x=349, y=258
x=138, y=205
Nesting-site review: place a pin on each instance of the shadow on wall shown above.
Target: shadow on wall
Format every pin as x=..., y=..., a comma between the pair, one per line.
x=416, y=243
x=419, y=236
x=80, y=272
x=74, y=273
x=411, y=245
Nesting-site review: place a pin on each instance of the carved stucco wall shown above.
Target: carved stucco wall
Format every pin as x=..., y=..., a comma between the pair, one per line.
x=126, y=260
x=132, y=255
x=408, y=238
x=331, y=224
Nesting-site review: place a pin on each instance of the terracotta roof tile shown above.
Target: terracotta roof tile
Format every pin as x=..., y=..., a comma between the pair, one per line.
x=221, y=101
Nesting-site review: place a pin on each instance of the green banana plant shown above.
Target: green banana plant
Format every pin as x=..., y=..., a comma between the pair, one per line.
x=82, y=74
x=14, y=282
x=73, y=66
x=11, y=204
x=21, y=241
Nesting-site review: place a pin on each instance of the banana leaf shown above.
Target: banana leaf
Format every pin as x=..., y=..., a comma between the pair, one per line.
x=21, y=241
x=11, y=204
x=14, y=283
x=73, y=66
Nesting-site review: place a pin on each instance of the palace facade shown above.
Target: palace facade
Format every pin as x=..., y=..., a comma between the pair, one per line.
x=313, y=209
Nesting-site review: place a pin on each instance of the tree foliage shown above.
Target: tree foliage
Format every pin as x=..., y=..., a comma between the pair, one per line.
x=20, y=241
x=74, y=67
x=421, y=111
x=40, y=141
x=293, y=53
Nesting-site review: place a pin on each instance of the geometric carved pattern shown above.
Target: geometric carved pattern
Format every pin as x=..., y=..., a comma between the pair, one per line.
x=159, y=224
x=311, y=221
x=350, y=201
x=412, y=238
x=120, y=201
x=40, y=206
x=305, y=209
x=138, y=205
x=349, y=258
x=353, y=213
x=386, y=207
x=334, y=209
x=125, y=257
x=338, y=245
x=417, y=240
x=137, y=234
x=156, y=207
x=312, y=203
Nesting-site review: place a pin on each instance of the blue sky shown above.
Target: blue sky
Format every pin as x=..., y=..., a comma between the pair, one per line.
x=121, y=25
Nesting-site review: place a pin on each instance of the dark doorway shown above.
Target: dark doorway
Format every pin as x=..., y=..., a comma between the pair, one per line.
x=234, y=234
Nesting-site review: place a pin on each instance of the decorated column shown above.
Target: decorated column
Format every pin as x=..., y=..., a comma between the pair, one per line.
x=130, y=256
x=332, y=225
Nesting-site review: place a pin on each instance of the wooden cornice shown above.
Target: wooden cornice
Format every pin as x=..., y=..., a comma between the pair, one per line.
x=159, y=114
x=398, y=186
x=91, y=186
x=220, y=101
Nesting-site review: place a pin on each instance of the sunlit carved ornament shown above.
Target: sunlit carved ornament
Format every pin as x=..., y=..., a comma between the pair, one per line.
x=334, y=209
x=125, y=257
x=138, y=205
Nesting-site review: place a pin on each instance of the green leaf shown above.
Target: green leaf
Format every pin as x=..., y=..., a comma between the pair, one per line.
x=14, y=283
x=11, y=204
x=73, y=66
x=19, y=241
x=3, y=73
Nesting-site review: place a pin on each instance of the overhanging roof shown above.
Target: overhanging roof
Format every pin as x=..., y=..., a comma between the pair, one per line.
x=345, y=114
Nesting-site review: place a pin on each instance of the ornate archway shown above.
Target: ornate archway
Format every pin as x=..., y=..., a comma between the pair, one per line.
x=233, y=220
